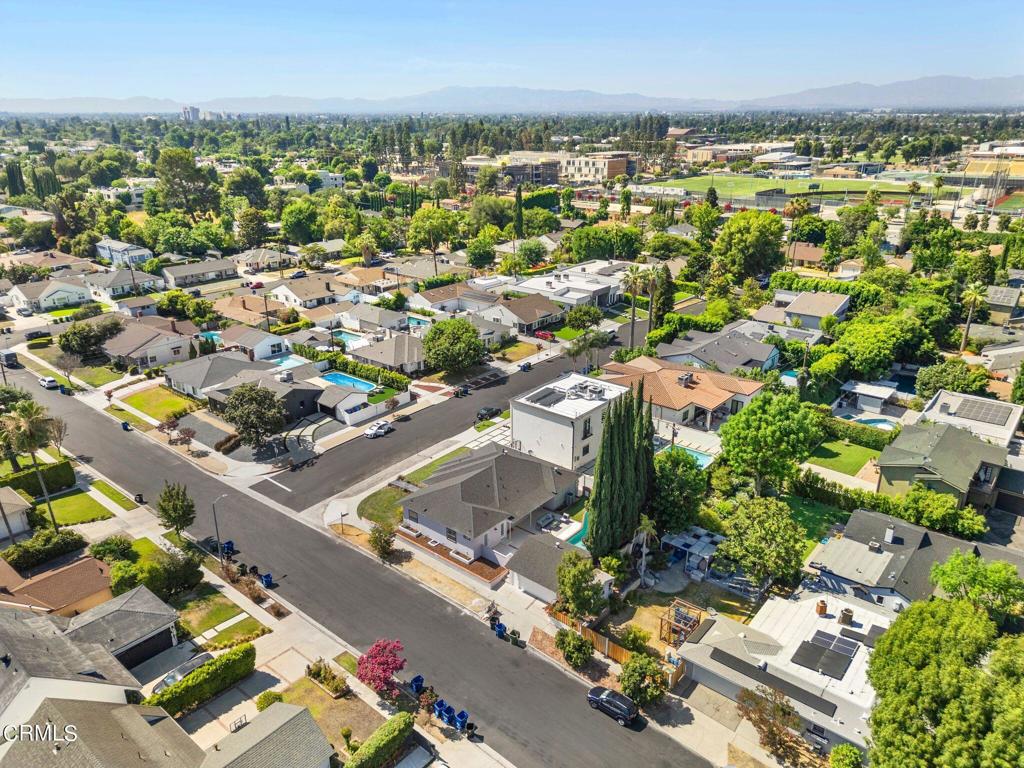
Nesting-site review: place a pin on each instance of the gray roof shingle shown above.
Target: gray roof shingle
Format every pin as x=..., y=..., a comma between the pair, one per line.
x=282, y=735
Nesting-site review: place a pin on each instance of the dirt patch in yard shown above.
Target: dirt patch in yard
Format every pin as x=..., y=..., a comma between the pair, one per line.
x=433, y=578
x=332, y=715
x=595, y=671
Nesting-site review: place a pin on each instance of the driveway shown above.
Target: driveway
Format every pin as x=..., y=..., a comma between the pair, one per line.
x=532, y=714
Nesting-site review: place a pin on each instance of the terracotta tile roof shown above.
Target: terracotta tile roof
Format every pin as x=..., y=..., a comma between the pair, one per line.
x=60, y=587
x=708, y=389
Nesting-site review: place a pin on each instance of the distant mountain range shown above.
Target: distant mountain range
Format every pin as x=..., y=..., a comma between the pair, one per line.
x=940, y=92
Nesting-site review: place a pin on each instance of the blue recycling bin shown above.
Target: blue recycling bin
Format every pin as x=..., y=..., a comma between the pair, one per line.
x=499, y=630
x=126, y=426
x=439, y=707
x=449, y=715
x=416, y=684
x=461, y=719
x=228, y=547
x=61, y=388
x=267, y=580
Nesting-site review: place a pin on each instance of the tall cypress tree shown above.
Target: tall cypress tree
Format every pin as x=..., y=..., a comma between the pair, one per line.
x=628, y=498
x=517, y=221
x=600, y=537
x=644, y=437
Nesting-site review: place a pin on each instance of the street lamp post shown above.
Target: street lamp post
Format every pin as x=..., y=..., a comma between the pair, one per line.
x=216, y=529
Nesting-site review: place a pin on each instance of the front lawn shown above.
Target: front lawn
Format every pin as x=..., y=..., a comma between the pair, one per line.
x=620, y=314
x=145, y=549
x=5, y=464
x=121, y=414
x=237, y=632
x=842, y=457
x=480, y=426
x=815, y=518
x=114, y=495
x=94, y=375
x=334, y=715
x=158, y=402
x=565, y=333
x=204, y=608
x=424, y=472
x=347, y=661
x=517, y=351
x=382, y=506
x=76, y=507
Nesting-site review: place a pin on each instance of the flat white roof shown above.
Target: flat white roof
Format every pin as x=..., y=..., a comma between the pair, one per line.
x=573, y=395
x=879, y=389
x=794, y=620
x=992, y=420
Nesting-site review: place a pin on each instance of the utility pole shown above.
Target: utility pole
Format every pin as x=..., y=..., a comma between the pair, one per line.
x=216, y=529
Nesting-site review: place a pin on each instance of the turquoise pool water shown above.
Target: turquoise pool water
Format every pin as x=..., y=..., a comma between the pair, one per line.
x=347, y=336
x=577, y=538
x=703, y=459
x=212, y=336
x=886, y=425
x=344, y=380
x=418, y=321
x=287, y=361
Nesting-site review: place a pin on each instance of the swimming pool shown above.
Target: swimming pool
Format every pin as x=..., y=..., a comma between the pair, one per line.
x=212, y=336
x=344, y=380
x=418, y=321
x=703, y=459
x=577, y=538
x=886, y=425
x=286, y=361
x=347, y=336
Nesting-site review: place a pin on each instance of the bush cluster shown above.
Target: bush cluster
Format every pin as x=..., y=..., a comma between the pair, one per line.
x=57, y=476
x=576, y=649
x=322, y=672
x=42, y=547
x=207, y=681
x=383, y=745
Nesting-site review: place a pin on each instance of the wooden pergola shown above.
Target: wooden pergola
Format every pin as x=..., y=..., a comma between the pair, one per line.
x=679, y=620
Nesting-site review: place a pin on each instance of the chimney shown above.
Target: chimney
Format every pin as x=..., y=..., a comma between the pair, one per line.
x=174, y=325
x=874, y=546
x=890, y=534
x=821, y=608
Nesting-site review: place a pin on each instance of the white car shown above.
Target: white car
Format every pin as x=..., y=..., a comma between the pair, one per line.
x=378, y=429
x=48, y=382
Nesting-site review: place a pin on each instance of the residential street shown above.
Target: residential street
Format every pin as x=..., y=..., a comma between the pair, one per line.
x=532, y=714
x=344, y=466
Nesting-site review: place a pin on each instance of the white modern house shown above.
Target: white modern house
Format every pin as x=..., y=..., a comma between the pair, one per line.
x=589, y=282
x=48, y=295
x=121, y=254
x=562, y=422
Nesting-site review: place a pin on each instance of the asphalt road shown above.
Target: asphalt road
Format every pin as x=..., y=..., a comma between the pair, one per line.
x=342, y=467
x=532, y=714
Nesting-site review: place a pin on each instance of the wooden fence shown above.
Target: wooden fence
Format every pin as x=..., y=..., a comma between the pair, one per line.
x=602, y=643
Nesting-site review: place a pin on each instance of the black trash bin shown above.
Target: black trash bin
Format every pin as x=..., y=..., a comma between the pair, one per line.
x=139, y=499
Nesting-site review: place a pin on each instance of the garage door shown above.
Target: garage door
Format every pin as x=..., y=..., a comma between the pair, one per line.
x=1009, y=502
x=147, y=649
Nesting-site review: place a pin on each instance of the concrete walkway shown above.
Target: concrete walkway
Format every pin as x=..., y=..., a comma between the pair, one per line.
x=840, y=477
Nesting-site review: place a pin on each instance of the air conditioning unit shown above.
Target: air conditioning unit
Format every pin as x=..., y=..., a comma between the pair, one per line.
x=285, y=377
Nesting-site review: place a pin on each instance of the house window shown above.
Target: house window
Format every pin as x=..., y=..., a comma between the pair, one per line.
x=176, y=350
x=585, y=451
x=587, y=430
x=451, y=535
x=879, y=599
x=414, y=517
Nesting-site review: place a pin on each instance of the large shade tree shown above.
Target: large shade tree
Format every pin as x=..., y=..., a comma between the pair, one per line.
x=28, y=430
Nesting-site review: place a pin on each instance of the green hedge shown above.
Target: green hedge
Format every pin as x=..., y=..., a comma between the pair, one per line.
x=42, y=343
x=860, y=434
x=382, y=747
x=675, y=324
x=644, y=302
x=438, y=280
x=57, y=476
x=542, y=198
x=42, y=547
x=207, y=681
x=343, y=364
x=284, y=330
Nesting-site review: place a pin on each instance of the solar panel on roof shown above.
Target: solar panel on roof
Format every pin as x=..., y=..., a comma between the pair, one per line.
x=988, y=412
x=824, y=639
x=834, y=664
x=808, y=655
x=845, y=646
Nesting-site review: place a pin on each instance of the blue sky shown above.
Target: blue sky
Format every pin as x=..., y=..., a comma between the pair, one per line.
x=191, y=51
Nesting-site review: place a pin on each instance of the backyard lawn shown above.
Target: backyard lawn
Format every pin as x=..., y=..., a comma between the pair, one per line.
x=113, y=494
x=386, y=393
x=842, y=457
x=620, y=313
x=815, y=518
x=332, y=715
x=158, y=402
x=121, y=414
x=76, y=507
x=204, y=608
x=381, y=506
x=577, y=511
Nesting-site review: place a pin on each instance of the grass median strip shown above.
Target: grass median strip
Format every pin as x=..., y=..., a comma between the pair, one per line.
x=113, y=494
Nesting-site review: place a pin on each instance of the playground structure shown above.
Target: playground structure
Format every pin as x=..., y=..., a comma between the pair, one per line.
x=679, y=621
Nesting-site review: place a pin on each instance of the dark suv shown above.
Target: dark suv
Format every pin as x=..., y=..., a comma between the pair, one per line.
x=488, y=412
x=613, y=703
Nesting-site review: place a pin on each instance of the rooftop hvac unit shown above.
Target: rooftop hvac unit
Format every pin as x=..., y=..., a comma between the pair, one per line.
x=685, y=379
x=890, y=534
x=874, y=546
x=285, y=377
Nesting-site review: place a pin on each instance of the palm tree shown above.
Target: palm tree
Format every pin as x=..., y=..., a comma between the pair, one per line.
x=913, y=188
x=644, y=531
x=634, y=281
x=28, y=426
x=577, y=348
x=972, y=297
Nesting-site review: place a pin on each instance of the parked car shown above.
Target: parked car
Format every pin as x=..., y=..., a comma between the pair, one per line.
x=378, y=429
x=297, y=274
x=48, y=382
x=546, y=335
x=613, y=703
x=487, y=412
x=9, y=358
x=24, y=311
x=257, y=284
x=182, y=671
x=36, y=335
